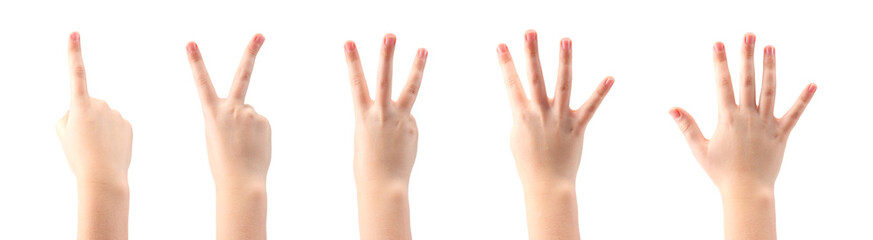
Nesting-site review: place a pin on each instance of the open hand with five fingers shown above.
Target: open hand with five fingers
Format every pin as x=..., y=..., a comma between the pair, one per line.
x=386, y=139
x=744, y=155
x=97, y=143
x=546, y=139
x=239, y=148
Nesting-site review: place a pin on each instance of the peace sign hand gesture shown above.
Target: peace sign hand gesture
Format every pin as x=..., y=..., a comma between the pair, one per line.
x=239, y=148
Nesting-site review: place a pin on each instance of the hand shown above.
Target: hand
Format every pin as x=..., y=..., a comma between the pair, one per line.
x=747, y=147
x=386, y=139
x=546, y=140
x=237, y=138
x=745, y=153
x=547, y=135
x=97, y=143
x=238, y=145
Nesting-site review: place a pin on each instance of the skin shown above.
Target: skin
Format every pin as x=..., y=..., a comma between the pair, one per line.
x=238, y=145
x=546, y=140
x=386, y=139
x=97, y=143
x=744, y=155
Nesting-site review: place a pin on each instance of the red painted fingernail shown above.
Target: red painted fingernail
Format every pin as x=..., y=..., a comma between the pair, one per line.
x=609, y=82
x=350, y=46
x=566, y=43
x=74, y=36
x=422, y=53
x=675, y=113
x=530, y=36
x=719, y=47
x=192, y=47
x=812, y=88
x=750, y=38
x=389, y=40
x=501, y=48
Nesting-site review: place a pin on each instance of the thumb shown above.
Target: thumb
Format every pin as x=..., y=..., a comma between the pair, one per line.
x=689, y=128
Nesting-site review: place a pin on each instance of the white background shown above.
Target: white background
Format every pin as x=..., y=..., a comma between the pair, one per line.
x=638, y=179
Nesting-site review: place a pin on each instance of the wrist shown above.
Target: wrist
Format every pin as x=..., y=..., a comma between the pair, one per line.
x=747, y=193
x=382, y=186
x=546, y=185
x=107, y=185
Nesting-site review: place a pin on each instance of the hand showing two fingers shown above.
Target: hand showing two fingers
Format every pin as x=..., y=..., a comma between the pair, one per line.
x=238, y=142
x=237, y=137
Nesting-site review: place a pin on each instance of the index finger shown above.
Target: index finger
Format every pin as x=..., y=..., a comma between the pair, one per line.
x=78, y=85
x=244, y=71
x=201, y=77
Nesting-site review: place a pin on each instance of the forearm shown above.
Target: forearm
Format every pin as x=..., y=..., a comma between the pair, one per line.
x=383, y=209
x=749, y=213
x=551, y=211
x=241, y=210
x=103, y=210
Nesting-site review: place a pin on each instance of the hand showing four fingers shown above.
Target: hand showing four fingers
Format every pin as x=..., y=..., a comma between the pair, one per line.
x=547, y=135
x=546, y=140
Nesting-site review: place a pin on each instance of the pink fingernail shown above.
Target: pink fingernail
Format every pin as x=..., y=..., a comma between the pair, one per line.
x=74, y=36
x=566, y=43
x=812, y=88
x=719, y=47
x=192, y=46
x=422, y=53
x=675, y=113
x=530, y=36
x=750, y=38
x=389, y=40
x=259, y=39
x=769, y=51
x=501, y=48
x=350, y=46
x=609, y=82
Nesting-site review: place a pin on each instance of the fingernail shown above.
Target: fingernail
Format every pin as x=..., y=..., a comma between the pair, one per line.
x=769, y=51
x=609, y=82
x=422, y=53
x=501, y=48
x=674, y=113
x=389, y=40
x=750, y=38
x=192, y=47
x=812, y=88
x=259, y=39
x=530, y=36
x=74, y=36
x=350, y=46
x=719, y=47
x=566, y=43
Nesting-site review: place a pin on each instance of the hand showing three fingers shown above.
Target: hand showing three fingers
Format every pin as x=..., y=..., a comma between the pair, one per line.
x=546, y=140
x=745, y=153
x=386, y=139
x=238, y=145
x=97, y=143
